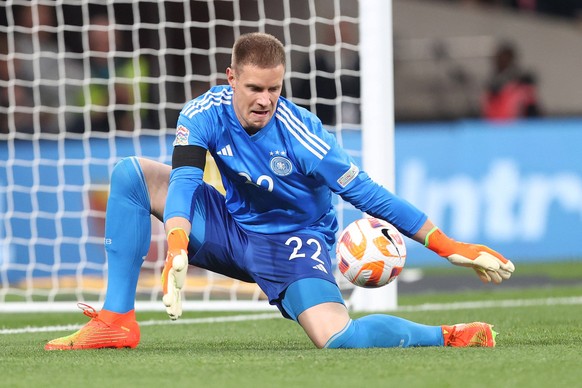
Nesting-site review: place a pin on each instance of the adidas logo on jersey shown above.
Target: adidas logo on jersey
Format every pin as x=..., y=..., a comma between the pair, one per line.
x=320, y=267
x=225, y=151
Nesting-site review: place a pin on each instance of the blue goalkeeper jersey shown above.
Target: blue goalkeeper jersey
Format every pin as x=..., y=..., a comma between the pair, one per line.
x=281, y=179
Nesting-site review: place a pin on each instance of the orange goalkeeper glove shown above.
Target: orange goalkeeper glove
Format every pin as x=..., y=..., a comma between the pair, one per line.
x=174, y=273
x=487, y=263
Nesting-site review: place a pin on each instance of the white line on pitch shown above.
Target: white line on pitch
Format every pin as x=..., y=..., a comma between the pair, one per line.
x=493, y=304
x=255, y=317
x=186, y=321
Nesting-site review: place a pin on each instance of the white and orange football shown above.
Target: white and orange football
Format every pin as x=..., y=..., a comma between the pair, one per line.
x=370, y=252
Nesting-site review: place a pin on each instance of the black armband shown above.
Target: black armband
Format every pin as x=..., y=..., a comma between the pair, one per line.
x=190, y=155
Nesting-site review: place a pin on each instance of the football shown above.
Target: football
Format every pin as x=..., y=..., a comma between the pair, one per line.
x=370, y=252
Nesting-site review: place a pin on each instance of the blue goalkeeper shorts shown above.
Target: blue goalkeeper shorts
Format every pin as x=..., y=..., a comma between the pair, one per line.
x=273, y=261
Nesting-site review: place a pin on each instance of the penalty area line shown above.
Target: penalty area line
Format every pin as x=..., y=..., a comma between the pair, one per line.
x=510, y=303
x=151, y=322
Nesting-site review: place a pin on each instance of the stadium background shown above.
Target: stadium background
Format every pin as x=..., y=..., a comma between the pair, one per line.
x=516, y=186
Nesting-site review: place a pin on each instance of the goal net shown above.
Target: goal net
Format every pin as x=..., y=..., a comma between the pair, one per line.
x=85, y=83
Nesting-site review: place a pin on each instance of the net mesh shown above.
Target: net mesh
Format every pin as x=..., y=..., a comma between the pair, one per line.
x=85, y=83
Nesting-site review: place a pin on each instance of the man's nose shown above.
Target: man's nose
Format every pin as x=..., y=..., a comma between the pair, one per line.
x=263, y=99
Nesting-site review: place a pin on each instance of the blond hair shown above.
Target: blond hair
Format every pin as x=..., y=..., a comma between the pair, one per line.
x=257, y=49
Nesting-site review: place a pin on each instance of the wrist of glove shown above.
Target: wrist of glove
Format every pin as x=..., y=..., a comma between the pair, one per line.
x=489, y=265
x=174, y=273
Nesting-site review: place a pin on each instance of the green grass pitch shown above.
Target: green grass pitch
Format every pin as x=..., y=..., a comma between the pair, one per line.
x=539, y=345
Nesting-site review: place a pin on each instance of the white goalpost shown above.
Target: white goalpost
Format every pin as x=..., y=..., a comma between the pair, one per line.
x=377, y=107
x=84, y=83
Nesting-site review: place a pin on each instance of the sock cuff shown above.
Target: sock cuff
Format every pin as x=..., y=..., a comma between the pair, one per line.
x=109, y=316
x=339, y=338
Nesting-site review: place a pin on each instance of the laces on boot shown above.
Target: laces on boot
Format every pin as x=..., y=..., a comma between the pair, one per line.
x=88, y=310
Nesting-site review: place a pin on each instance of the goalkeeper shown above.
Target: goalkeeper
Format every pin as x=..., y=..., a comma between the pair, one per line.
x=275, y=225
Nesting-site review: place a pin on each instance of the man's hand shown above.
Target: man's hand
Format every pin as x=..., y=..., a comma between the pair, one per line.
x=487, y=263
x=174, y=273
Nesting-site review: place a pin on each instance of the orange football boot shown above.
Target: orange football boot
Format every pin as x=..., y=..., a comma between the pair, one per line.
x=469, y=334
x=106, y=329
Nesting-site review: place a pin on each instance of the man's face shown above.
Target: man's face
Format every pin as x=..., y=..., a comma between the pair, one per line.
x=256, y=91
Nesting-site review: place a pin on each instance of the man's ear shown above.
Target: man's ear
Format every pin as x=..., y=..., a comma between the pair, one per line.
x=230, y=76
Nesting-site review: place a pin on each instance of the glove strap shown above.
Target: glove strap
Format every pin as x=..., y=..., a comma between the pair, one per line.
x=177, y=239
x=439, y=243
x=427, y=238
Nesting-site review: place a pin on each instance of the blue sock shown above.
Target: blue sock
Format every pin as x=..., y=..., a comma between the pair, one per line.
x=127, y=233
x=385, y=331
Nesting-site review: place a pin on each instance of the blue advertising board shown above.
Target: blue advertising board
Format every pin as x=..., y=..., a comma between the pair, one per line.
x=516, y=187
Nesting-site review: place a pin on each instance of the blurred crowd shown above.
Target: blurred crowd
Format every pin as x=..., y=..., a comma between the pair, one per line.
x=87, y=69
x=570, y=9
x=511, y=91
x=54, y=80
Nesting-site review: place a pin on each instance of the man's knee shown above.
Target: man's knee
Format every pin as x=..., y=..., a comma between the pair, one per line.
x=127, y=178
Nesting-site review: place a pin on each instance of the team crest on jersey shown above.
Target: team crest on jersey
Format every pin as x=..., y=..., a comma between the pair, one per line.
x=281, y=165
x=182, y=134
